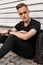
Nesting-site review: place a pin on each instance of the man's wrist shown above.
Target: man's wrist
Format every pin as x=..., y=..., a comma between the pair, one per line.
x=9, y=31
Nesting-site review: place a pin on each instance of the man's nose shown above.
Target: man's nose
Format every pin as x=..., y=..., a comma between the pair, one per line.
x=23, y=14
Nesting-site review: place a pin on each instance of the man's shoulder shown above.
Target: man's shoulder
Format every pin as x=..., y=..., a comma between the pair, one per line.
x=20, y=22
x=34, y=21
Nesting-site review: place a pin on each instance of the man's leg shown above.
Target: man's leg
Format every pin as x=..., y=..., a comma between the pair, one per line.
x=23, y=48
x=7, y=46
x=2, y=38
x=17, y=45
x=11, y=43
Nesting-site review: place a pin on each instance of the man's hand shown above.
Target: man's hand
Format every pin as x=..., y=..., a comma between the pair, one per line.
x=14, y=29
x=4, y=33
x=22, y=31
x=18, y=32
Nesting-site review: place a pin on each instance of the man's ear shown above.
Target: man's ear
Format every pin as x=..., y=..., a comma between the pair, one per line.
x=29, y=11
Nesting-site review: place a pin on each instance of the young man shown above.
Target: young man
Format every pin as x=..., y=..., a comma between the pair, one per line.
x=22, y=38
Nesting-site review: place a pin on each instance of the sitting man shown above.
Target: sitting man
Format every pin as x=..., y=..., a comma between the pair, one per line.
x=22, y=38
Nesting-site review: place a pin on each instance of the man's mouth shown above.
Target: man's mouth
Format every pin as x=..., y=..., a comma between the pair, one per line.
x=24, y=18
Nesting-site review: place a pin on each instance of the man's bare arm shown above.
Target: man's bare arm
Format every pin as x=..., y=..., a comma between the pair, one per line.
x=14, y=29
x=26, y=35
x=4, y=33
x=30, y=33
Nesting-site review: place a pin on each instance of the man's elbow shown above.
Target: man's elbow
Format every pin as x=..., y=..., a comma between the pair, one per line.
x=25, y=38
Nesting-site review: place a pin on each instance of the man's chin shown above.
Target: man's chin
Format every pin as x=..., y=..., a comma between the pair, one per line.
x=25, y=20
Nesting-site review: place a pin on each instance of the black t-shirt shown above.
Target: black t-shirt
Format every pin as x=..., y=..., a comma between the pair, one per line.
x=32, y=25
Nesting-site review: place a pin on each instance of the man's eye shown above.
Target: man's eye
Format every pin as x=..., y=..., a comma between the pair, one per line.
x=24, y=12
x=20, y=13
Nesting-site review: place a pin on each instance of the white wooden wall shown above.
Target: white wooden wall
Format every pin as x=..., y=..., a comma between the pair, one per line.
x=9, y=15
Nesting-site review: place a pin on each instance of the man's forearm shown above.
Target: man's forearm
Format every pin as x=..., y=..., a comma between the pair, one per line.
x=26, y=35
x=19, y=35
x=31, y=33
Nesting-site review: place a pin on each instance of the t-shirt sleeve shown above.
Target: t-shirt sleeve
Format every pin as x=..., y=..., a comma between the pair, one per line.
x=17, y=26
x=36, y=26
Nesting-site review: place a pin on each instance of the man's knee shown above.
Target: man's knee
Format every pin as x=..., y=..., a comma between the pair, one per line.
x=2, y=38
x=10, y=38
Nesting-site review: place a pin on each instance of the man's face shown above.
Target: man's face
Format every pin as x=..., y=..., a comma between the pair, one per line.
x=24, y=13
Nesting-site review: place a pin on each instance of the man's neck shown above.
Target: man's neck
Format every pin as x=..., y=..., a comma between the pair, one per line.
x=27, y=22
